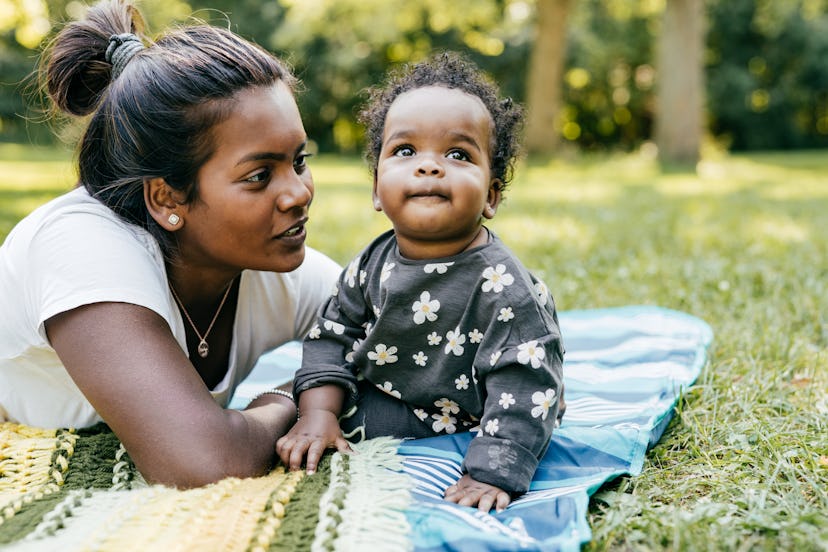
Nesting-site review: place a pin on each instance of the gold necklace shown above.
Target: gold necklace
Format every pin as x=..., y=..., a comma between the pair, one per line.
x=203, y=348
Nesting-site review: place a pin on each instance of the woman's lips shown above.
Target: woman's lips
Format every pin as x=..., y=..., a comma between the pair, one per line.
x=295, y=232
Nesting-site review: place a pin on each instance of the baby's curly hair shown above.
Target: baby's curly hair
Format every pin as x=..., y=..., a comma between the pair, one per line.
x=451, y=70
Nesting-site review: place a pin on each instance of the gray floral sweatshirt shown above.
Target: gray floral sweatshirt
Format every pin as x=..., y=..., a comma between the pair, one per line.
x=469, y=342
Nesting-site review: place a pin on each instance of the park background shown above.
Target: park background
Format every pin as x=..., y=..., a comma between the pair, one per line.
x=676, y=156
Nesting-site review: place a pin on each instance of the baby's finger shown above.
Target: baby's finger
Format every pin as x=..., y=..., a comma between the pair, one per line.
x=283, y=447
x=503, y=500
x=315, y=451
x=470, y=497
x=485, y=503
x=453, y=493
x=343, y=446
x=297, y=454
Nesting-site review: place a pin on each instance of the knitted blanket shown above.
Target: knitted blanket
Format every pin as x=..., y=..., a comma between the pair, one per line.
x=63, y=489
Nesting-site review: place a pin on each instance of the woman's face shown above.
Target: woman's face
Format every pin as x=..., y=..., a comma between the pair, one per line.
x=255, y=190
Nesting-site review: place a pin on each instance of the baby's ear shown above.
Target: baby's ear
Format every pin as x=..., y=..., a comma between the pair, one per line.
x=374, y=196
x=493, y=200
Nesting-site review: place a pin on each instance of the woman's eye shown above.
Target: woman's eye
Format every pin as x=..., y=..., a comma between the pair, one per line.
x=458, y=155
x=259, y=177
x=300, y=163
x=404, y=151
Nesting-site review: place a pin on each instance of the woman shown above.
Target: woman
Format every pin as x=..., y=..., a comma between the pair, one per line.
x=144, y=296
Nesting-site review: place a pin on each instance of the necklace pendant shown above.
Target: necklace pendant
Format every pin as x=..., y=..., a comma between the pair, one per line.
x=203, y=349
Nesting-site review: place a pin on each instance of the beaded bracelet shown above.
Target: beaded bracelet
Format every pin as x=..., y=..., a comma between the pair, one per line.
x=272, y=392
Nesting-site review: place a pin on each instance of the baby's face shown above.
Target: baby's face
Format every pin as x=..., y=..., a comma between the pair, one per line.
x=433, y=177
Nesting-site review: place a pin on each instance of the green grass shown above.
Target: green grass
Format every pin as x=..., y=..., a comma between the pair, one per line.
x=743, y=245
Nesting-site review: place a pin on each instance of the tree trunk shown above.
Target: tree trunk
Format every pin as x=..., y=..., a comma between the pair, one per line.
x=544, y=94
x=680, y=95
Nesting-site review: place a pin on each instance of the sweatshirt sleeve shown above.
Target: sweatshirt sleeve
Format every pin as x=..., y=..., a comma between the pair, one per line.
x=340, y=327
x=520, y=368
x=523, y=391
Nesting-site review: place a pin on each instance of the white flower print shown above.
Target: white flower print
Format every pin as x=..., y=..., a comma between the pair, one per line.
x=349, y=357
x=530, y=353
x=474, y=375
x=383, y=355
x=475, y=336
x=389, y=388
x=462, y=383
x=506, y=400
x=335, y=327
x=434, y=339
x=369, y=327
x=454, y=342
x=425, y=308
x=420, y=413
x=441, y=268
x=492, y=426
x=314, y=332
x=362, y=277
x=377, y=310
x=444, y=422
x=506, y=314
x=544, y=401
x=351, y=272
x=495, y=357
x=542, y=293
x=496, y=278
x=420, y=358
x=447, y=405
x=335, y=290
x=386, y=271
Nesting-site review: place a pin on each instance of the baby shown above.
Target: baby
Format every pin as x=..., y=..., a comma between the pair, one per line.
x=436, y=327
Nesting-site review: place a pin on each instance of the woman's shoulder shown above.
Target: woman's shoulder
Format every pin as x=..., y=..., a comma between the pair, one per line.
x=77, y=218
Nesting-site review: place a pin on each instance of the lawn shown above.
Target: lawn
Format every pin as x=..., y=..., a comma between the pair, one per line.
x=743, y=245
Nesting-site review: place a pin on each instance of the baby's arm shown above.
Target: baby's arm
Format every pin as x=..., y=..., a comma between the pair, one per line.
x=470, y=492
x=316, y=430
x=522, y=389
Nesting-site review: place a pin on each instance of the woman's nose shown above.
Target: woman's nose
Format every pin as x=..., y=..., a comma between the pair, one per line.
x=297, y=192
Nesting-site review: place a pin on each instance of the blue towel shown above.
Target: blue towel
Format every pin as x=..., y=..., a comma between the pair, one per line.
x=624, y=370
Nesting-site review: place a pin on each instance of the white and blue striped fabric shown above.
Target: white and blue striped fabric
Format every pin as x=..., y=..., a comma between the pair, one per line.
x=624, y=370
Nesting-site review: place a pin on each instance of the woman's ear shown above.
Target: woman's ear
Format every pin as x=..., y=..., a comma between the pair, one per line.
x=163, y=204
x=493, y=200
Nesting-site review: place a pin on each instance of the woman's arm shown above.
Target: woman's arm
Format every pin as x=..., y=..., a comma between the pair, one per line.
x=129, y=366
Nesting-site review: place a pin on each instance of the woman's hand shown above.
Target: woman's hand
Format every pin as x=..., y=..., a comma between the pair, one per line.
x=470, y=492
x=316, y=430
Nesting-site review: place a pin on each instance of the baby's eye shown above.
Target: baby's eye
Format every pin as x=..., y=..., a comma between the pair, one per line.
x=404, y=151
x=458, y=155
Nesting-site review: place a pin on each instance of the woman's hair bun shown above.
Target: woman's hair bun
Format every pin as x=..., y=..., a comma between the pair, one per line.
x=74, y=66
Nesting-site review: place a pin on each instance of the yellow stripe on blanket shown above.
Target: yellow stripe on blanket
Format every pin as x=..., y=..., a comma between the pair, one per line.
x=33, y=462
x=354, y=502
x=222, y=516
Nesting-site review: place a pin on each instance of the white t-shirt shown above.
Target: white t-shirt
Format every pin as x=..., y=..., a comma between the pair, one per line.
x=74, y=251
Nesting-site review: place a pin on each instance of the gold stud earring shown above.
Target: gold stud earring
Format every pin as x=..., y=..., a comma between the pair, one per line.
x=174, y=219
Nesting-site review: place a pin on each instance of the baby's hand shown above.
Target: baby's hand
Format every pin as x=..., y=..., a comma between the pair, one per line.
x=469, y=492
x=314, y=432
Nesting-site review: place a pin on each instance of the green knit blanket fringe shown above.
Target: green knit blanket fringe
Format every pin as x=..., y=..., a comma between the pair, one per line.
x=78, y=490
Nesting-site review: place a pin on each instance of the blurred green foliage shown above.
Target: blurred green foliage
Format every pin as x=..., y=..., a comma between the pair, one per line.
x=768, y=73
x=766, y=69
